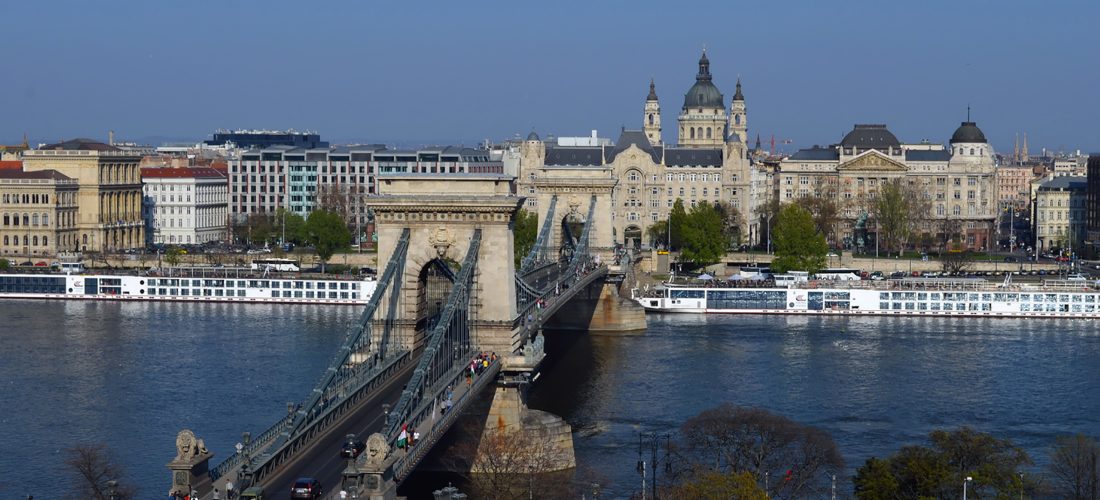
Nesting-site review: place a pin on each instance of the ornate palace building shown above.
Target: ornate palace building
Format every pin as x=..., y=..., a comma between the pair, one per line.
x=958, y=181
x=108, y=197
x=710, y=161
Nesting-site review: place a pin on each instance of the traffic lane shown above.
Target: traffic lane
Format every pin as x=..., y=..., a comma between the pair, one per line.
x=322, y=461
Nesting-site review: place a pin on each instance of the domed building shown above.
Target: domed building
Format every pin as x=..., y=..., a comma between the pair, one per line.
x=708, y=163
x=956, y=185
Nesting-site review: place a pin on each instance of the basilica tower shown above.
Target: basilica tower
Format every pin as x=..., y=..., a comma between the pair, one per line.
x=703, y=117
x=739, y=126
x=652, y=118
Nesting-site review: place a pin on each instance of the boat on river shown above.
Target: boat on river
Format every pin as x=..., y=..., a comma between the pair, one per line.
x=192, y=285
x=901, y=297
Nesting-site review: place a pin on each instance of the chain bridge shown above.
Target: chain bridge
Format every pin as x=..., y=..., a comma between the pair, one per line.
x=449, y=292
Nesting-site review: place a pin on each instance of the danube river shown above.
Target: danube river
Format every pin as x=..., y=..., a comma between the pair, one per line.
x=132, y=375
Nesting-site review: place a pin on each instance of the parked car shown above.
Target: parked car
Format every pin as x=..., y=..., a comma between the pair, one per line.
x=1010, y=259
x=352, y=447
x=1077, y=277
x=897, y=275
x=306, y=488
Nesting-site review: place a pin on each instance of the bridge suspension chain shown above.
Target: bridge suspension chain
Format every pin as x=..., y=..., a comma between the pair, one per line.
x=448, y=348
x=540, y=250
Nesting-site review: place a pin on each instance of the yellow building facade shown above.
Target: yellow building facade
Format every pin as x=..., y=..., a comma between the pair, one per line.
x=108, y=194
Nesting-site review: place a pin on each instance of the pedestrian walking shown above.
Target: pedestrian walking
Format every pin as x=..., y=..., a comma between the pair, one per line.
x=343, y=494
x=229, y=490
x=217, y=496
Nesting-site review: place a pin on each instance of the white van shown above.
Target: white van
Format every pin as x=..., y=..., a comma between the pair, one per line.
x=72, y=267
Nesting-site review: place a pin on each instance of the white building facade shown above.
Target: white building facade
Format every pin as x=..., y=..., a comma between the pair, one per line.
x=185, y=205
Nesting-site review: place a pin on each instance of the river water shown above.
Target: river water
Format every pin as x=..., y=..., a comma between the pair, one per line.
x=131, y=375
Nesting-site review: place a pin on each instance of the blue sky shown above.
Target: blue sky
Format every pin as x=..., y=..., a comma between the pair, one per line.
x=461, y=72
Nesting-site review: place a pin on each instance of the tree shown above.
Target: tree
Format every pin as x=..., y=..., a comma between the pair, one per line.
x=525, y=231
x=292, y=224
x=94, y=466
x=825, y=213
x=703, y=242
x=259, y=228
x=677, y=219
x=767, y=214
x=658, y=233
x=711, y=485
x=173, y=255
x=937, y=471
x=503, y=462
x=4, y=265
x=1074, y=462
x=731, y=223
x=798, y=244
x=327, y=233
x=730, y=439
x=899, y=209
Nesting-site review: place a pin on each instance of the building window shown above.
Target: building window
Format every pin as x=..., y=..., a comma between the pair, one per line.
x=632, y=176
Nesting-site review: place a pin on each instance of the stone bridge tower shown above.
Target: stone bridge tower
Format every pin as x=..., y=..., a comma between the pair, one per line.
x=442, y=213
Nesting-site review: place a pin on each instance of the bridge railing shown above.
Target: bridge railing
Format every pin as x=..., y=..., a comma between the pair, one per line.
x=539, y=250
x=448, y=342
x=404, y=463
x=356, y=364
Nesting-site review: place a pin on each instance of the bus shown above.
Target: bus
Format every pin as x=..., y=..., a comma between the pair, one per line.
x=284, y=265
x=838, y=274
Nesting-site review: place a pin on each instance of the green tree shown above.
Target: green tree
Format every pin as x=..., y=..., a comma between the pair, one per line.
x=259, y=228
x=712, y=485
x=677, y=219
x=173, y=255
x=900, y=209
x=525, y=231
x=327, y=233
x=703, y=242
x=798, y=244
x=875, y=481
x=4, y=265
x=938, y=470
x=293, y=225
x=731, y=223
x=658, y=233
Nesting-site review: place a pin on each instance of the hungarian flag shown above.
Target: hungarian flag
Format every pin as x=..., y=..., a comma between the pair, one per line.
x=403, y=439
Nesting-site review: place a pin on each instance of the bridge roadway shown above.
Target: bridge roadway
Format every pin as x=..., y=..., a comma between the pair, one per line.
x=323, y=458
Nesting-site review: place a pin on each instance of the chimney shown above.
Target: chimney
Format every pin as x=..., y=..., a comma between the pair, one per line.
x=111, y=137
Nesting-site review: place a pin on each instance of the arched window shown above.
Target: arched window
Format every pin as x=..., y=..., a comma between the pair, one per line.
x=45, y=241
x=45, y=219
x=5, y=239
x=7, y=220
x=46, y=199
x=85, y=239
x=26, y=220
x=708, y=132
x=651, y=118
x=971, y=151
x=25, y=241
x=693, y=133
x=737, y=119
x=34, y=219
x=34, y=241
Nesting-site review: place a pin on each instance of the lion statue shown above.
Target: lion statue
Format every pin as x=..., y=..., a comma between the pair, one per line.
x=188, y=446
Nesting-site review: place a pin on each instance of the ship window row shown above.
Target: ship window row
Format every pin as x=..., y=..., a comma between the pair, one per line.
x=746, y=299
x=31, y=284
x=217, y=292
x=309, y=285
x=996, y=297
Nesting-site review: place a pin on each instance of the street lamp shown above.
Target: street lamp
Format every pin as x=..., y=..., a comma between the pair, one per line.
x=968, y=479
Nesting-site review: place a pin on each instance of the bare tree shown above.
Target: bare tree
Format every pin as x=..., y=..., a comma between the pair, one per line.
x=825, y=212
x=1075, y=467
x=508, y=463
x=94, y=467
x=900, y=210
x=730, y=439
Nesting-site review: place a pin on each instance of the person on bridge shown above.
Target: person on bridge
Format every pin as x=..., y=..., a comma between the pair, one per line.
x=403, y=438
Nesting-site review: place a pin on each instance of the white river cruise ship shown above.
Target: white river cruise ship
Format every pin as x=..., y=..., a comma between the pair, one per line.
x=191, y=284
x=904, y=297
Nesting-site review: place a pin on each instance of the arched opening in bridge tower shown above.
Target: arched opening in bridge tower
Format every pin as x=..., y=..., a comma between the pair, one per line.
x=572, y=227
x=632, y=237
x=435, y=283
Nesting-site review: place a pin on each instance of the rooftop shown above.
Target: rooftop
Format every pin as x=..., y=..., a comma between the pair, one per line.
x=181, y=172
x=38, y=174
x=1067, y=182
